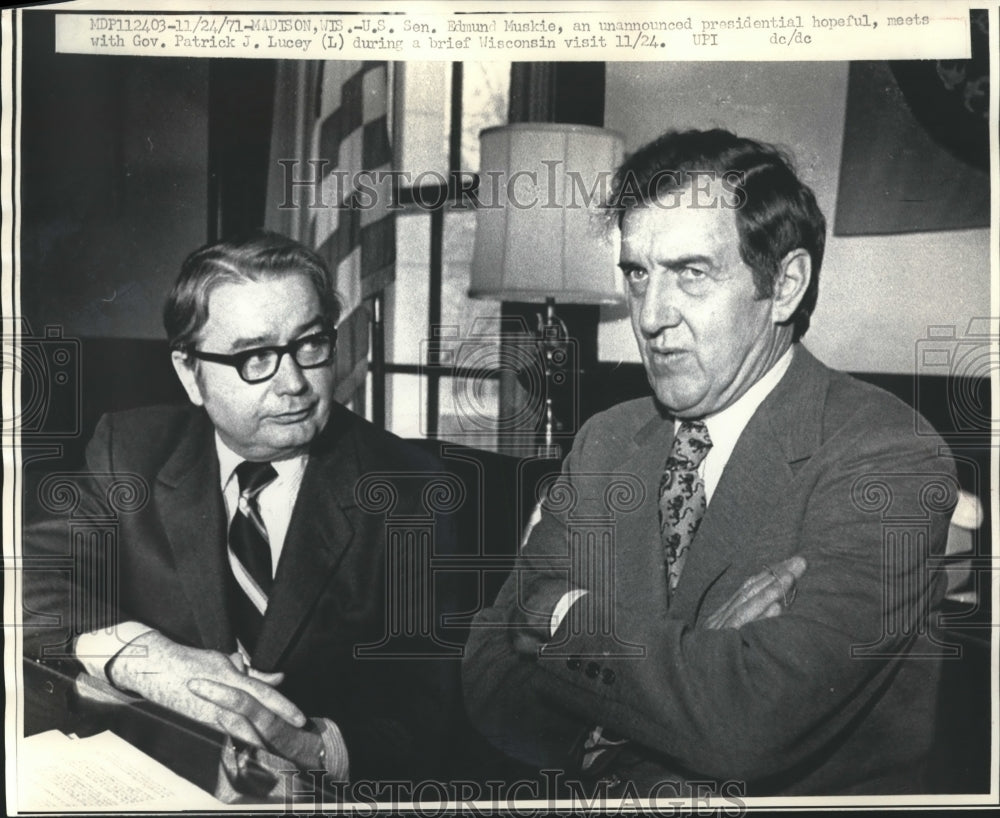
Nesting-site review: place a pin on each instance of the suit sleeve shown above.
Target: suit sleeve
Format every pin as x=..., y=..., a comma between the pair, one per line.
x=502, y=684
x=69, y=584
x=753, y=702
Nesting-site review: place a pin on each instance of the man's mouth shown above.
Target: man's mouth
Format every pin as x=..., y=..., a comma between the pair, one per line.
x=666, y=355
x=294, y=416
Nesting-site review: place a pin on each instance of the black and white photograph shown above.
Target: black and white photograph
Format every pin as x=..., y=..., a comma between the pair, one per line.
x=463, y=407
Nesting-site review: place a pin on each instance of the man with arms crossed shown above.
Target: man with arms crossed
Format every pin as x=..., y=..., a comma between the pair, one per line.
x=758, y=469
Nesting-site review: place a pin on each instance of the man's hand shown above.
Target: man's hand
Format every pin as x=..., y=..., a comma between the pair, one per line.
x=244, y=718
x=763, y=595
x=209, y=687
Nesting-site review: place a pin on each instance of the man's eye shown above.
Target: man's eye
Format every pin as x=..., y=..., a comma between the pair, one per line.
x=258, y=358
x=633, y=273
x=693, y=272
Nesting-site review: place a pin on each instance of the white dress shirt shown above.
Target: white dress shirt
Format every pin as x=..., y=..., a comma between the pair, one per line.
x=726, y=425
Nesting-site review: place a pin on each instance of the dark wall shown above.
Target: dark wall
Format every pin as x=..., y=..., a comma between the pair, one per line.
x=114, y=184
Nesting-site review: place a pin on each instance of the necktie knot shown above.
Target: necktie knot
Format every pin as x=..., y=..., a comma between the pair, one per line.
x=253, y=477
x=691, y=445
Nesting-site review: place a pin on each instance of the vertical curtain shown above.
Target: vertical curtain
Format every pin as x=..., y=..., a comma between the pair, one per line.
x=532, y=92
x=331, y=133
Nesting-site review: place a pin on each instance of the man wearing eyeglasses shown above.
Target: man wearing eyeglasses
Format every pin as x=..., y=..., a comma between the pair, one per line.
x=250, y=576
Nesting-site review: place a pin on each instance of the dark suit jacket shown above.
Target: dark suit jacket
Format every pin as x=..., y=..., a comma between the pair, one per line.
x=169, y=571
x=837, y=695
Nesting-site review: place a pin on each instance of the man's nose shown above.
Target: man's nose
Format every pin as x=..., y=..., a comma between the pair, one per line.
x=659, y=308
x=289, y=379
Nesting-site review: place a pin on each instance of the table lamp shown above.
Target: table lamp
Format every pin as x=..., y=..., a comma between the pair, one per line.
x=541, y=235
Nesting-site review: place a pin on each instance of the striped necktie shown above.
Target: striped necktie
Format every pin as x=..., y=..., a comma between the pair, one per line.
x=249, y=545
x=682, y=495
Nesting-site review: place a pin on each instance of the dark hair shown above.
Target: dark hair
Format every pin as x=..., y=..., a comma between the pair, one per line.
x=259, y=255
x=775, y=212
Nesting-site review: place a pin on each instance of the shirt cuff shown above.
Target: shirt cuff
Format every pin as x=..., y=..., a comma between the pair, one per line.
x=533, y=520
x=562, y=608
x=95, y=649
x=335, y=758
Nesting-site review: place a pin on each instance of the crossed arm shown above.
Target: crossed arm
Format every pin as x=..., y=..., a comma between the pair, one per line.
x=760, y=691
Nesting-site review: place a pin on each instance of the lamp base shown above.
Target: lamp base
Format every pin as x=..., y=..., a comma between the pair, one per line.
x=553, y=345
x=525, y=397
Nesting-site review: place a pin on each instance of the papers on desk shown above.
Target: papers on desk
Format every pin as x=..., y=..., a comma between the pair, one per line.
x=57, y=773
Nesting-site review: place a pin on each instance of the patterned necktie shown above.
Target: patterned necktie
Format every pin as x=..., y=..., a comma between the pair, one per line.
x=249, y=544
x=682, y=495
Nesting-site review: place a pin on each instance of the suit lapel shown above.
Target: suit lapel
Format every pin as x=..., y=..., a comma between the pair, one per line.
x=187, y=493
x=319, y=534
x=642, y=573
x=785, y=429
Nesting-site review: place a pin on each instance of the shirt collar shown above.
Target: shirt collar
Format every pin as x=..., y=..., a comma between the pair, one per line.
x=726, y=426
x=228, y=461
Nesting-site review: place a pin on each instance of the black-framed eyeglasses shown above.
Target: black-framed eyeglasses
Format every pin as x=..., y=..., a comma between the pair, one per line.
x=261, y=363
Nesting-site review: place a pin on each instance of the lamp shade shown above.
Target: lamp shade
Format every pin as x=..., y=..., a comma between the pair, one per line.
x=540, y=231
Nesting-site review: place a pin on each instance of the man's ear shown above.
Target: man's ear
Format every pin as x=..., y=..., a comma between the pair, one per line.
x=184, y=367
x=794, y=275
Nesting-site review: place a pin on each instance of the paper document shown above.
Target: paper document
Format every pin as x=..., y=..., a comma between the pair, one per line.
x=59, y=773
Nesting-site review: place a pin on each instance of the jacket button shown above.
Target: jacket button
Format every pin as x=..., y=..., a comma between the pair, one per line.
x=608, y=676
x=48, y=687
x=593, y=669
x=573, y=663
